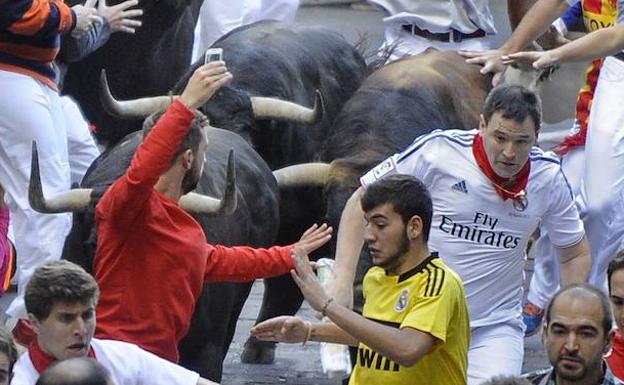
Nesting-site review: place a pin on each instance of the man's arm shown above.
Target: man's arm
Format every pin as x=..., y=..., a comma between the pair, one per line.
x=603, y=42
x=575, y=263
x=290, y=329
x=349, y=244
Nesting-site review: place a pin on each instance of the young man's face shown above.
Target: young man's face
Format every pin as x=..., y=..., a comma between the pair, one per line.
x=67, y=331
x=386, y=237
x=574, y=338
x=507, y=143
x=190, y=180
x=617, y=297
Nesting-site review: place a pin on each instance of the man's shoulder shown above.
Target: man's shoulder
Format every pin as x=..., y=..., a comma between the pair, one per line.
x=24, y=373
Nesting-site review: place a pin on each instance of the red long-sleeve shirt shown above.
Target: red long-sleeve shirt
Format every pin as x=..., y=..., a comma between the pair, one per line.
x=152, y=258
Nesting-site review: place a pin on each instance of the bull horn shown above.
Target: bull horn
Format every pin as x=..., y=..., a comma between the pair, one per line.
x=72, y=200
x=273, y=108
x=302, y=175
x=201, y=204
x=137, y=108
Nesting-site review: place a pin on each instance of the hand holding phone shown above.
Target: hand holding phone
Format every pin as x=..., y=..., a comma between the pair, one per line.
x=213, y=54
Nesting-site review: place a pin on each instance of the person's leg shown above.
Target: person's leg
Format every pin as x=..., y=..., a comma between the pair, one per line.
x=495, y=350
x=31, y=111
x=80, y=144
x=604, y=161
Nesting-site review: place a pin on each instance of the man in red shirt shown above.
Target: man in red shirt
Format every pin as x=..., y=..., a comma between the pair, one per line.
x=152, y=257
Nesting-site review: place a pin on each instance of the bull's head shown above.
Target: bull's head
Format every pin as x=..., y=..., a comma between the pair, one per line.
x=77, y=200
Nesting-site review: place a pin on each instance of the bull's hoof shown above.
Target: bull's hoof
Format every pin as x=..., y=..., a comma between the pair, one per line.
x=258, y=352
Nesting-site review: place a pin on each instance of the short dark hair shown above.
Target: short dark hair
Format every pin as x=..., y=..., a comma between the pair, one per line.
x=408, y=196
x=607, y=320
x=514, y=102
x=75, y=371
x=58, y=282
x=7, y=346
x=507, y=380
x=193, y=137
x=616, y=264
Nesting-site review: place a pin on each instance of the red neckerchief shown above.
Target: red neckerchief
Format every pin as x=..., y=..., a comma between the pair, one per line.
x=506, y=188
x=41, y=360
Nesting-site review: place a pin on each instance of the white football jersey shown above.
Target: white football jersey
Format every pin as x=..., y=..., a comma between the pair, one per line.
x=477, y=233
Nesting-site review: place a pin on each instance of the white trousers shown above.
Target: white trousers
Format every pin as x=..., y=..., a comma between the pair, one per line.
x=600, y=183
x=217, y=17
x=406, y=44
x=495, y=350
x=80, y=144
x=29, y=110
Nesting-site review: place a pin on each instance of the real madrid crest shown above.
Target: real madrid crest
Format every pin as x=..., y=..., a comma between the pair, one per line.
x=402, y=302
x=521, y=202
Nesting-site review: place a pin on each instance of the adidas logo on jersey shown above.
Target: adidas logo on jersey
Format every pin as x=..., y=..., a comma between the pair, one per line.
x=460, y=186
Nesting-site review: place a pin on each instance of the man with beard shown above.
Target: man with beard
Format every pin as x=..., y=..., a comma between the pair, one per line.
x=152, y=258
x=578, y=331
x=414, y=327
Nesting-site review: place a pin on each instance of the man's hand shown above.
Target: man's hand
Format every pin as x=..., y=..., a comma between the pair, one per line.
x=537, y=59
x=120, y=18
x=307, y=281
x=85, y=17
x=314, y=237
x=205, y=82
x=281, y=329
x=490, y=60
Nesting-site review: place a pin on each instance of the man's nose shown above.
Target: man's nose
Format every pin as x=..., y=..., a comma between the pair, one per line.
x=571, y=343
x=509, y=151
x=80, y=327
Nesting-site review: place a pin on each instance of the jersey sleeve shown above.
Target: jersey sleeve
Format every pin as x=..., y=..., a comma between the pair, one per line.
x=244, y=264
x=433, y=306
x=124, y=198
x=412, y=161
x=561, y=219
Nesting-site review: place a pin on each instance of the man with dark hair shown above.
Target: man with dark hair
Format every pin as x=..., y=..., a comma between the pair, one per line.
x=150, y=247
x=60, y=299
x=491, y=189
x=577, y=333
x=414, y=327
x=76, y=371
x=615, y=279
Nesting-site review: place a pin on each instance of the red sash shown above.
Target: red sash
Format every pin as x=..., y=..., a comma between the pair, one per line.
x=507, y=188
x=41, y=360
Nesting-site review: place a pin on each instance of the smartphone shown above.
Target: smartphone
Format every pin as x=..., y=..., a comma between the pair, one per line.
x=213, y=54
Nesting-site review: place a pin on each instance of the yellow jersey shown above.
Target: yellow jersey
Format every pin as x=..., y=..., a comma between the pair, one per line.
x=429, y=298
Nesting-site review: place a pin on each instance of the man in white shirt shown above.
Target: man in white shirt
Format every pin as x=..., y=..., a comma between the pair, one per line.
x=60, y=301
x=491, y=189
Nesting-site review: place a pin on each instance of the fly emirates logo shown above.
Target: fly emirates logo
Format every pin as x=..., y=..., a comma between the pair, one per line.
x=482, y=230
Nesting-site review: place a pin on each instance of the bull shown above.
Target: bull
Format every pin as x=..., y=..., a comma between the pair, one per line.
x=253, y=220
x=273, y=103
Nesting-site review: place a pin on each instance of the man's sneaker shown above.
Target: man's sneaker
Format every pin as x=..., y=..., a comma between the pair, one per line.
x=532, y=318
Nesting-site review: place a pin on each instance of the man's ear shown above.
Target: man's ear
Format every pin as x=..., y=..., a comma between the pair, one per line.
x=482, y=124
x=187, y=159
x=414, y=227
x=34, y=322
x=608, y=341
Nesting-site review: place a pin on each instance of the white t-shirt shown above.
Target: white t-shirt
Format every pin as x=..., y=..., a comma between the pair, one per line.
x=440, y=16
x=480, y=236
x=127, y=363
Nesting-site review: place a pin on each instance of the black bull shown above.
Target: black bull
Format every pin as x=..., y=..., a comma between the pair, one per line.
x=254, y=222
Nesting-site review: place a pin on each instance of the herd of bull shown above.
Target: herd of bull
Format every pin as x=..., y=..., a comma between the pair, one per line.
x=304, y=116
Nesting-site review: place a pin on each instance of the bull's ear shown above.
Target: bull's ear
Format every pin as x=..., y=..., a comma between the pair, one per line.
x=72, y=200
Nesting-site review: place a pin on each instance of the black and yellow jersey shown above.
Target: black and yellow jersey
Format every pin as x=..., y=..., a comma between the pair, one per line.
x=429, y=298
